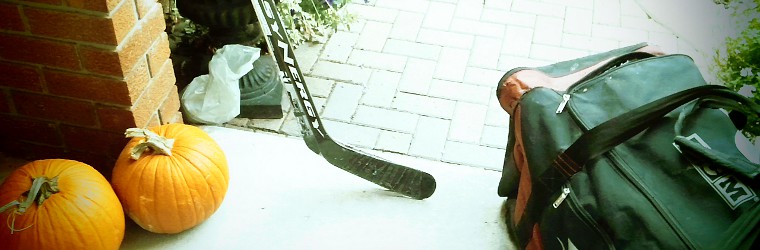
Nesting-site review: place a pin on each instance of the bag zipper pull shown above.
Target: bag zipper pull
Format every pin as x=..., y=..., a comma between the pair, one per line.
x=565, y=99
x=561, y=198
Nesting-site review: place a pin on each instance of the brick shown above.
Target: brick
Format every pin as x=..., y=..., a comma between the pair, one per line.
x=381, y=88
x=485, y=52
x=479, y=28
x=352, y=134
x=573, y=41
x=341, y=72
x=518, y=42
x=511, y=18
x=20, y=77
x=120, y=61
x=507, y=62
x=81, y=27
x=158, y=53
x=100, y=162
x=406, y=26
x=170, y=105
x=115, y=119
x=38, y=51
x=555, y=53
x=11, y=18
x=339, y=47
x=138, y=79
x=474, y=155
x=417, y=76
x=343, y=101
x=445, y=38
x=497, y=4
x=611, y=16
x=538, y=8
x=376, y=60
x=153, y=121
x=548, y=30
x=308, y=54
x=460, y=91
x=319, y=87
x=102, y=61
x=429, y=138
x=92, y=140
x=470, y=9
x=373, y=36
x=424, y=105
x=578, y=21
x=371, y=13
x=412, y=49
x=87, y=87
x=50, y=2
x=483, y=77
x=410, y=5
x=99, y=5
x=439, y=16
x=496, y=137
x=452, y=64
x=626, y=35
x=496, y=116
x=20, y=128
x=32, y=151
x=5, y=106
x=177, y=118
x=467, y=124
x=55, y=108
x=394, y=141
x=143, y=7
x=386, y=119
x=153, y=95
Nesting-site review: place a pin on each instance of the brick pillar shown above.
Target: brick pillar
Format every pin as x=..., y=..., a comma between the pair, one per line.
x=74, y=74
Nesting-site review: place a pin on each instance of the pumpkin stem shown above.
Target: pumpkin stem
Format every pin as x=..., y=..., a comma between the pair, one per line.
x=153, y=141
x=42, y=188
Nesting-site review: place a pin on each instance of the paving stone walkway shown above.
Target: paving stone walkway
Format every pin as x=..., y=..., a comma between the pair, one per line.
x=418, y=77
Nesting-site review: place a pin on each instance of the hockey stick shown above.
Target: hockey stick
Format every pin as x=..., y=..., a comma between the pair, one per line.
x=401, y=179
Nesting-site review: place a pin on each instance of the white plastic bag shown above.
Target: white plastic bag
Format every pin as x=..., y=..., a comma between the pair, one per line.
x=215, y=98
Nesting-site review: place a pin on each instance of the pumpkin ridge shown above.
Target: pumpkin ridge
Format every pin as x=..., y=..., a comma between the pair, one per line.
x=59, y=221
x=210, y=171
x=83, y=217
x=152, y=217
x=184, y=181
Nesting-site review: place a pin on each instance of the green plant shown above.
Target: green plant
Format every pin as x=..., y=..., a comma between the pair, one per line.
x=739, y=66
x=313, y=20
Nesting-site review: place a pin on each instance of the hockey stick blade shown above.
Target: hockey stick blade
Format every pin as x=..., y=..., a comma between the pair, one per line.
x=397, y=178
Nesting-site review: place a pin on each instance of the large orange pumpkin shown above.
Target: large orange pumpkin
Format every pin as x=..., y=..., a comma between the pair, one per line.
x=59, y=204
x=170, y=178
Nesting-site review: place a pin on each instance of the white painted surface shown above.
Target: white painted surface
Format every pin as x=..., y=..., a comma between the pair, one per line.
x=283, y=196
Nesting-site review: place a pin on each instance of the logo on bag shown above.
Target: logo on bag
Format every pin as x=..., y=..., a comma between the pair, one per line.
x=733, y=191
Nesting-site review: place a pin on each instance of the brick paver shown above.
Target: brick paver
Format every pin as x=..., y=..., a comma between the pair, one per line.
x=418, y=77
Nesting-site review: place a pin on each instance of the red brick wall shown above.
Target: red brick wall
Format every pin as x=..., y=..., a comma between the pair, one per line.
x=74, y=74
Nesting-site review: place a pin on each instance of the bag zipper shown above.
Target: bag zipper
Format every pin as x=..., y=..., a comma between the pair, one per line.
x=561, y=198
x=585, y=217
x=583, y=126
x=573, y=88
x=565, y=99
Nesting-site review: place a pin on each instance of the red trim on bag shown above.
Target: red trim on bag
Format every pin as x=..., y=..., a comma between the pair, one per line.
x=536, y=241
x=525, y=184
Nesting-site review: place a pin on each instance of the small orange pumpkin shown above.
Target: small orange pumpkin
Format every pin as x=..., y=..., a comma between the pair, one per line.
x=170, y=178
x=59, y=204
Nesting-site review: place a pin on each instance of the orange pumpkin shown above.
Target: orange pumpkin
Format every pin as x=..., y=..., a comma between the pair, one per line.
x=59, y=204
x=170, y=178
